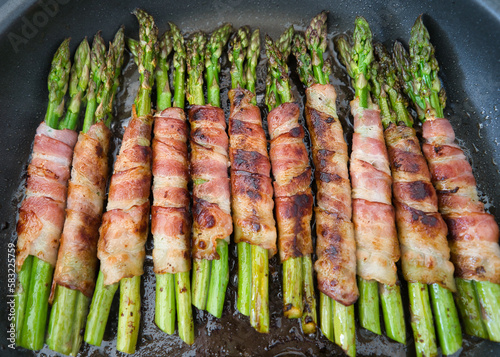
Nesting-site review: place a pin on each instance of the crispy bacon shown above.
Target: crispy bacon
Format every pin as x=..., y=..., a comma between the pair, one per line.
x=211, y=196
x=251, y=188
x=292, y=181
x=124, y=228
x=77, y=258
x=41, y=216
x=422, y=231
x=473, y=233
x=377, y=245
x=335, y=245
x=170, y=216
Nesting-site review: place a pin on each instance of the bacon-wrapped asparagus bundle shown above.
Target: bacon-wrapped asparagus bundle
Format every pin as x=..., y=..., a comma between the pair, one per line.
x=41, y=216
x=473, y=233
x=377, y=245
x=170, y=215
x=212, y=222
x=292, y=191
x=124, y=228
x=336, y=247
x=421, y=229
x=251, y=186
x=75, y=271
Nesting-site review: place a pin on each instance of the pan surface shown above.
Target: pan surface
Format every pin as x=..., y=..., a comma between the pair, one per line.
x=465, y=34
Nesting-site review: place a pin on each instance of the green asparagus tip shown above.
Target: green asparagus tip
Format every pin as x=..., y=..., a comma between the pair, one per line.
x=195, y=50
x=387, y=89
x=284, y=43
x=425, y=67
x=316, y=32
x=237, y=54
x=58, y=83
x=304, y=66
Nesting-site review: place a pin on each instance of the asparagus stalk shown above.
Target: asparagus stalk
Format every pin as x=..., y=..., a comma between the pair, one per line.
x=298, y=286
x=70, y=306
x=358, y=59
x=336, y=320
x=237, y=56
x=259, y=307
x=97, y=60
x=219, y=277
x=386, y=91
x=195, y=48
x=279, y=91
x=419, y=75
x=179, y=63
x=103, y=295
x=210, y=278
x=130, y=297
x=163, y=93
x=33, y=286
x=420, y=70
x=79, y=80
x=165, y=307
x=213, y=52
x=173, y=291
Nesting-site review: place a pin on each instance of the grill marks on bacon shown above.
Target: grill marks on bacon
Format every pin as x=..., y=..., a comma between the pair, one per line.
x=211, y=196
x=170, y=216
x=251, y=187
x=422, y=231
x=292, y=181
x=124, y=228
x=41, y=216
x=473, y=233
x=77, y=258
x=377, y=246
x=335, y=244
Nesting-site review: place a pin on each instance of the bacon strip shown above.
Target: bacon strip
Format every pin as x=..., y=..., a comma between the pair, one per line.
x=473, y=233
x=377, y=245
x=124, y=228
x=292, y=181
x=335, y=244
x=41, y=216
x=251, y=187
x=170, y=217
x=211, y=195
x=77, y=258
x=422, y=231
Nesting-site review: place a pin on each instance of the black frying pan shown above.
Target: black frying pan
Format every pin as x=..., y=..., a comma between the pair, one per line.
x=465, y=34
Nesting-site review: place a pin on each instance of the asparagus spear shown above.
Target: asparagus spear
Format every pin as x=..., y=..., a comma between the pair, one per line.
x=129, y=312
x=430, y=100
x=358, y=59
x=70, y=306
x=219, y=276
x=279, y=91
x=237, y=56
x=97, y=60
x=394, y=109
x=298, y=286
x=337, y=320
x=210, y=278
x=80, y=72
x=33, y=286
x=419, y=74
x=173, y=291
x=130, y=297
x=103, y=295
x=213, y=52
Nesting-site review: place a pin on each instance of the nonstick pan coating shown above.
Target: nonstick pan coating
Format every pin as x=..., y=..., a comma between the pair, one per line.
x=465, y=34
